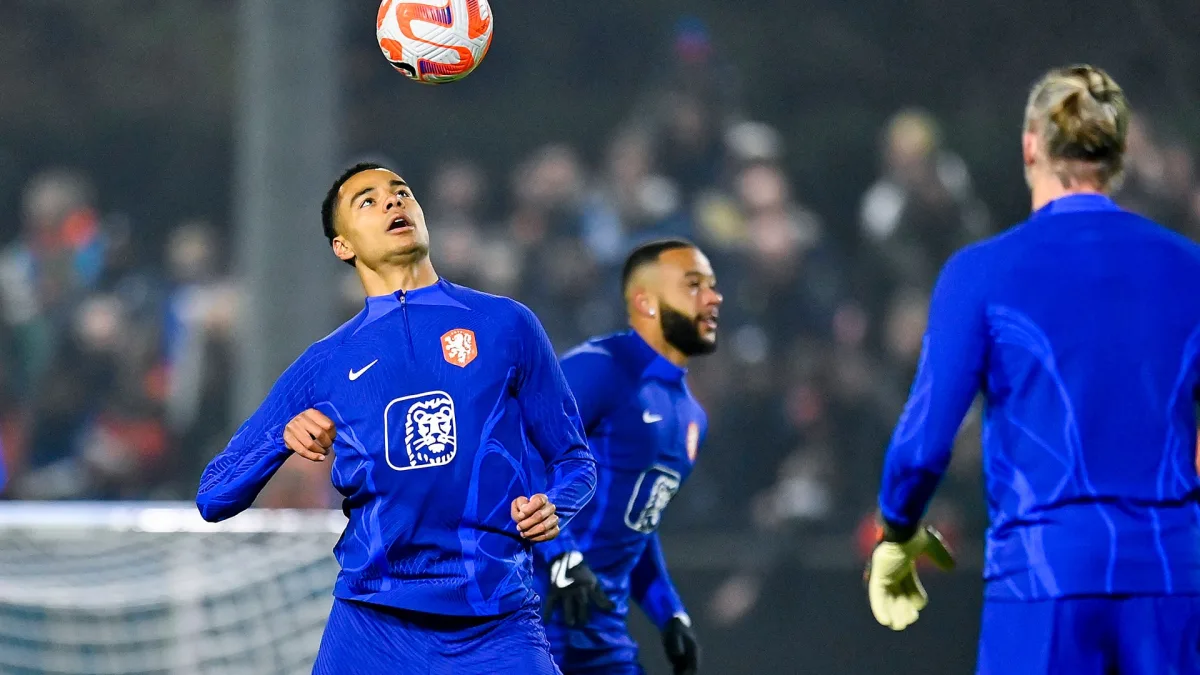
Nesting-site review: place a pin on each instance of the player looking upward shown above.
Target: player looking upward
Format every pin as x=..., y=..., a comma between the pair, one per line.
x=432, y=397
x=645, y=429
x=1082, y=328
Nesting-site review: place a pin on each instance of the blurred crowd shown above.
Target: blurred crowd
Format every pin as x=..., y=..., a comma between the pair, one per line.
x=115, y=367
x=112, y=366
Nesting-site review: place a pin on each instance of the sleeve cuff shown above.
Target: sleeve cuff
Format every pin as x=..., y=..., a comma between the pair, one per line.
x=897, y=533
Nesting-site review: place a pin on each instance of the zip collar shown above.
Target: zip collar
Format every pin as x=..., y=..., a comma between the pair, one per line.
x=436, y=294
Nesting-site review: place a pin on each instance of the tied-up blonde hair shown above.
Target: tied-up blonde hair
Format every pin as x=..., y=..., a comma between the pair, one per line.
x=1081, y=117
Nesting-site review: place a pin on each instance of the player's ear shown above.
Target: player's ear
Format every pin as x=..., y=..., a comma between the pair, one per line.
x=342, y=248
x=644, y=303
x=1029, y=147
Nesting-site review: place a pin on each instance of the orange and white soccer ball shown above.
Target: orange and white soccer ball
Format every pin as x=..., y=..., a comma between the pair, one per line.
x=434, y=42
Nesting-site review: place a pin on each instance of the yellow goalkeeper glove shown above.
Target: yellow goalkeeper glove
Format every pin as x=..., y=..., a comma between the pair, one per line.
x=893, y=587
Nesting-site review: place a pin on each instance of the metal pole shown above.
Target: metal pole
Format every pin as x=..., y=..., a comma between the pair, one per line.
x=288, y=144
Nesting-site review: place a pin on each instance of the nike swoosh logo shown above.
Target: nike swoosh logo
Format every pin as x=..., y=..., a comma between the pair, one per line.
x=355, y=374
x=650, y=418
x=560, y=567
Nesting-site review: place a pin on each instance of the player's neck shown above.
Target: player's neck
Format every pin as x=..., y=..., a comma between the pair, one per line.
x=1051, y=188
x=391, y=278
x=653, y=336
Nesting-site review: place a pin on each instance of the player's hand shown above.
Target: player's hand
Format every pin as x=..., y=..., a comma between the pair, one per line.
x=535, y=518
x=679, y=640
x=574, y=586
x=895, y=591
x=310, y=435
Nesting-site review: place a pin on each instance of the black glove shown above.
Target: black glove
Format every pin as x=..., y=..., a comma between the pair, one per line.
x=680, y=642
x=575, y=587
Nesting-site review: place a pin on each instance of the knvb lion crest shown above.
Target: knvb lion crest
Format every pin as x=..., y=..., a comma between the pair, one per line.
x=652, y=493
x=430, y=431
x=458, y=347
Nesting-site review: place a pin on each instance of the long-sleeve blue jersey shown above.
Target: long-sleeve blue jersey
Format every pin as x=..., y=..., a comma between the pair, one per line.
x=645, y=429
x=440, y=396
x=1082, y=328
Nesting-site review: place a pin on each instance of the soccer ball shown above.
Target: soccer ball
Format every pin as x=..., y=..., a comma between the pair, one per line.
x=434, y=42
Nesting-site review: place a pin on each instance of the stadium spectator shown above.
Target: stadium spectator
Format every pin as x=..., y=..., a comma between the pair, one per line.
x=922, y=208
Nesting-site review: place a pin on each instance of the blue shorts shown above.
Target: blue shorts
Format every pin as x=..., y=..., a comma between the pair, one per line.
x=364, y=639
x=1129, y=635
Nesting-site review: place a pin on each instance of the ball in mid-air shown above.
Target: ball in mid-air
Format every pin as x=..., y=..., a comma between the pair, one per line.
x=434, y=42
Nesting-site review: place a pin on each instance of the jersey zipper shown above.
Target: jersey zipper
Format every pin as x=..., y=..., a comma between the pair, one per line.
x=407, y=329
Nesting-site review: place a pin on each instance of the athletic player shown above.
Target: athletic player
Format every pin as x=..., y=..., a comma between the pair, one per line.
x=434, y=398
x=1082, y=328
x=645, y=429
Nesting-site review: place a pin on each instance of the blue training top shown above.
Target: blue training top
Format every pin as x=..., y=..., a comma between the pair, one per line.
x=1082, y=328
x=645, y=429
x=441, y=397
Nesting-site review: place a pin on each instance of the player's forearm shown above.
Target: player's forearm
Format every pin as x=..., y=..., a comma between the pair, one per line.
x=552, y=417
x=572, y=484
x=651, y=588
x=660, y=602
x=919, y=453
x=904, y=496
x=921, y=446
x=949, y=376
x=232, y=481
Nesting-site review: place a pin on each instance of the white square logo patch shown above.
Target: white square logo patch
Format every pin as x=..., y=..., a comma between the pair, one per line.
x=652, y=493
x=430, y=431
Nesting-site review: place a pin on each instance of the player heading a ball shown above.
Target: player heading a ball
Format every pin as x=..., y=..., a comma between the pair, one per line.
x=434, y=42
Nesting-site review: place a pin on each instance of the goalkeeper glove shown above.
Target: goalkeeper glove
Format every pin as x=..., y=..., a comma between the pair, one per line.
x=574, y=586
x=679, y=640
x=895, y=591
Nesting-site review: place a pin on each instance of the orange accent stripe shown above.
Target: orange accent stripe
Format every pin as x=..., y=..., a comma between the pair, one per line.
x=383, y=10
x=394, y=51
x=407, y=12
x=477, y=25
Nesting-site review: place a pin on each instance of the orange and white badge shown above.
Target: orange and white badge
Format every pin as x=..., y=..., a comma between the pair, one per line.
x=458, y=347
x=693, y=441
